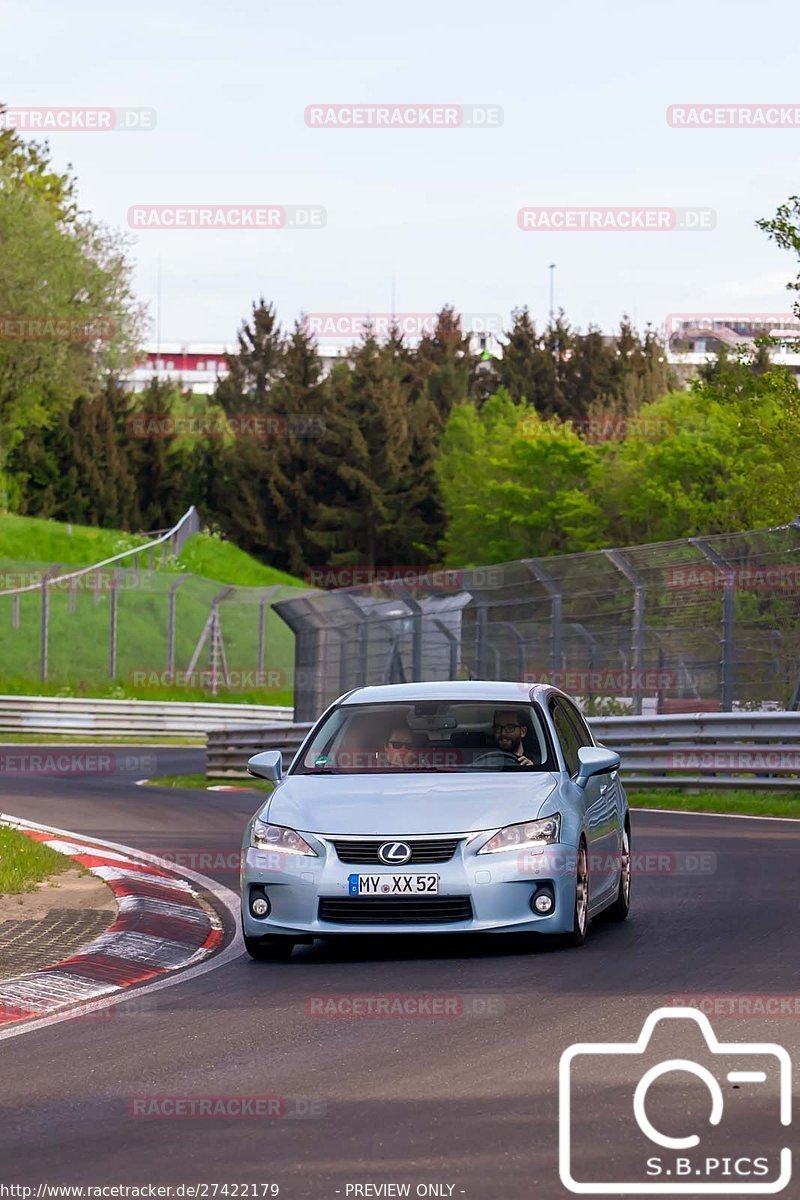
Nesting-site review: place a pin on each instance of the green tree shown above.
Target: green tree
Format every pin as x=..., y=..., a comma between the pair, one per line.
x=717, y=458
x=68, y=310
x=367, y=437
x=516, y=485
x=242, y=491
x=80, y=468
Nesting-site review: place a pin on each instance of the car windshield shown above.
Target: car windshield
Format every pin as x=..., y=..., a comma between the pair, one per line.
x=414, y=737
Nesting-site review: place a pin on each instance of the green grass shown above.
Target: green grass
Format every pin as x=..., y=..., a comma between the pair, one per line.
x=35, y=540
x=79, y=627
x=25, y=686
x=24, y=863
x=752, y=804
x=202, y=781
x=213, y=558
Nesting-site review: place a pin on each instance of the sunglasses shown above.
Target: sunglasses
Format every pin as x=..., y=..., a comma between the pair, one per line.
x=507, y=728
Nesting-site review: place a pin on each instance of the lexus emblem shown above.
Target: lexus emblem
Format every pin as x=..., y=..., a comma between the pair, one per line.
x=394, y=853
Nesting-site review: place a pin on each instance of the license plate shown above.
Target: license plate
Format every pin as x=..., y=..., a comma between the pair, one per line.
x=393, y=885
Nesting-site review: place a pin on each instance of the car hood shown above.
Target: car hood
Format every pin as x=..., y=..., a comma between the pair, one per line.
x=404, y=805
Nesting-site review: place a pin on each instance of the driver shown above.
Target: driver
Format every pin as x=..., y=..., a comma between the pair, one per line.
x=399, y=745
x=509, y=729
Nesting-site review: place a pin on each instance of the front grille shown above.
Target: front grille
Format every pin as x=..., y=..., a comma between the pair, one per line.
x=423, y=850
x=388, y=910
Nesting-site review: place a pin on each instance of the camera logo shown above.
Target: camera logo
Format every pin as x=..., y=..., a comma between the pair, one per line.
x=710, y=1127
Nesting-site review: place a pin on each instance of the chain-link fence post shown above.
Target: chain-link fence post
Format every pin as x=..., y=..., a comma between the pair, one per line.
x=171, y=626
x=556, y=607
x=637, y=626
x=112, y=625
x=728, y=660
x=48, y=575
x=262, y=606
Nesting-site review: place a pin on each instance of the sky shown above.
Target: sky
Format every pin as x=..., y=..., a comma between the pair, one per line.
x=416, y=218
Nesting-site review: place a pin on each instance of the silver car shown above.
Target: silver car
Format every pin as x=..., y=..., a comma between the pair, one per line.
x=438, y=808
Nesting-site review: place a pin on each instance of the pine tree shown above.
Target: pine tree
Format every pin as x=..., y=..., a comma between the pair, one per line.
x=254, y=369
x=300, y=474
x=366, y=437
x=243, y=498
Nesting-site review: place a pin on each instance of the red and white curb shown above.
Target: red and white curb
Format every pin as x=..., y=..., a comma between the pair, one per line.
x=162, y=926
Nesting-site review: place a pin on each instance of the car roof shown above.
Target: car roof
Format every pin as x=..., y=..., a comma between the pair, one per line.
x=458, y=689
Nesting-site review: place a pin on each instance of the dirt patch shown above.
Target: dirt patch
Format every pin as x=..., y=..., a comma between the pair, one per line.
x=71, y=889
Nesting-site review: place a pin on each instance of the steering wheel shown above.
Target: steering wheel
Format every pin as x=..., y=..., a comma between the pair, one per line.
x=491, y=757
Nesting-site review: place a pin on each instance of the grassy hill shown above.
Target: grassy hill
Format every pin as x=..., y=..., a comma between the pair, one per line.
x=79, y=641
x=33, y=540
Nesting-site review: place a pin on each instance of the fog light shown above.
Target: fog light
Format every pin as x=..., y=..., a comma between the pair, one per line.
x=260, y=906
x=543, y=903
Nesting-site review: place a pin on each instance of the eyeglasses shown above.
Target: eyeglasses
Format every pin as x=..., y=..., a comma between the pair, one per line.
x=400, y=745
x=507, y=728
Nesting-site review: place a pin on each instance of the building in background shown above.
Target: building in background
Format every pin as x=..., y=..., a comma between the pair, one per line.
x=198, y=365
x=692, y=341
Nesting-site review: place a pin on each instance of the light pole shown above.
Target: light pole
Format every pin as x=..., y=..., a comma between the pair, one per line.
x=552, y=269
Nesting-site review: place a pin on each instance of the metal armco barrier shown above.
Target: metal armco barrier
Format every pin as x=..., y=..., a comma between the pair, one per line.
x=50, y=714
x=709, y=750
x=229, y=749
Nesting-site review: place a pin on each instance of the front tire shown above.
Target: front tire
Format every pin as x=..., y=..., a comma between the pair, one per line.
x=580, y=921
x=272, y=950
x=622, y=905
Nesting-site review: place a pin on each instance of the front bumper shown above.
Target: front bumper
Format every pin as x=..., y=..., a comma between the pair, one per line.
x=499, y=886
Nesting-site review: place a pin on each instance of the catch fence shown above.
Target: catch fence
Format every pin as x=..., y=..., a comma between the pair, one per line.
x=701, y=624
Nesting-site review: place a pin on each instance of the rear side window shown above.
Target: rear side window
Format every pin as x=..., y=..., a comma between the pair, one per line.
x=567, y=735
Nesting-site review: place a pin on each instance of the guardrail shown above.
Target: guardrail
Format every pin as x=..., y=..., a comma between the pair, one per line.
x=227, y=750
x=708, y=750
x=55, y=714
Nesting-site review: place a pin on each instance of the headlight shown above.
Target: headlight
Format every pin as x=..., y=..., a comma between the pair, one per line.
x=280, y=839
x=522, y=837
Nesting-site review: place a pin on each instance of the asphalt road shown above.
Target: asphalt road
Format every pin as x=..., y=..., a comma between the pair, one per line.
x=468, y=1101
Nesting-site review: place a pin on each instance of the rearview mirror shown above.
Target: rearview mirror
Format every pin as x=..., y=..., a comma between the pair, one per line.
x=268, y=765
x=595, y=760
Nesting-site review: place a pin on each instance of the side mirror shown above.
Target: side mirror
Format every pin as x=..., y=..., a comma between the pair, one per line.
x=595, y=760
x=268, y=765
